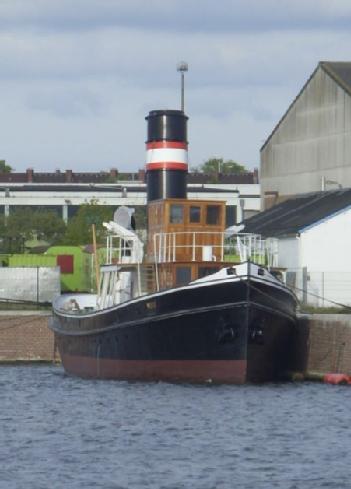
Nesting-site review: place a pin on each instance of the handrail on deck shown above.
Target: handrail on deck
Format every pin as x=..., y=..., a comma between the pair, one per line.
x=168, y=247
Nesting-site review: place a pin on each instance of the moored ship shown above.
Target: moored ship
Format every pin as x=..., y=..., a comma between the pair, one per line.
x=201, y=306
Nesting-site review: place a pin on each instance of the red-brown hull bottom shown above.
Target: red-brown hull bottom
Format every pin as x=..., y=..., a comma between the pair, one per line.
x=198, y=371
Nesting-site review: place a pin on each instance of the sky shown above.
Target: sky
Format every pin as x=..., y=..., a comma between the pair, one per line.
x=78, y=77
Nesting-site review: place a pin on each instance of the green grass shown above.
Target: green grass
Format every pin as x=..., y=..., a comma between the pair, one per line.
x=232, y=258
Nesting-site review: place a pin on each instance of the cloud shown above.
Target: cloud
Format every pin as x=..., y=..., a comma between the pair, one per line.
x=66, y=101
x=145, y=59
x=175, y=15
x=78, y=77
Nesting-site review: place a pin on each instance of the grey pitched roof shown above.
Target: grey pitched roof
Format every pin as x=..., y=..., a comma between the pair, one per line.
x=297, y=213
x=340, y=71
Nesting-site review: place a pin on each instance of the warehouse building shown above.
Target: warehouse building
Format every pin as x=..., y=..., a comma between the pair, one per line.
x=309, y=150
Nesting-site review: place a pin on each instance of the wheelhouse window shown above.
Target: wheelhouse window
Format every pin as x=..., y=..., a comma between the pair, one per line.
x=212, y=216
x=195, y=214
x=176, y=214
x=183, y=275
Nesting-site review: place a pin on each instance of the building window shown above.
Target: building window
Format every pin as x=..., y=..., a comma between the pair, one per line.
x=176, y=214
x=183, y=275
x=195, y=213
x=212, y=214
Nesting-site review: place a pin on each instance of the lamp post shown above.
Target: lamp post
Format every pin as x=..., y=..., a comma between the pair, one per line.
x=182, y=67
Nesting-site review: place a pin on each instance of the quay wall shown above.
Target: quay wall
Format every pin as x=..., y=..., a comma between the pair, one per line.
x=25, y=337
x=322, y=343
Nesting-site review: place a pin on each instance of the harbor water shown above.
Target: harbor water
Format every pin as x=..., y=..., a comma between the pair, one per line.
x=63, y=432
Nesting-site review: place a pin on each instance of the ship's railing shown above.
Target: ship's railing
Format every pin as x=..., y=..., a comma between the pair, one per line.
x=121, y=251
x=119, y=279
x=214, y=246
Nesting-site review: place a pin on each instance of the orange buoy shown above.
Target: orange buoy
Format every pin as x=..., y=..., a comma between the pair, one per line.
x=337, y=379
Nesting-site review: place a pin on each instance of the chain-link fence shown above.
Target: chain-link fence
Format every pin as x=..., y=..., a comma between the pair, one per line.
x=320, y=289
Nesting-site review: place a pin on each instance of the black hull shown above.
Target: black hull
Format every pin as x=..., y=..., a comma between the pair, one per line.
x=228, y=332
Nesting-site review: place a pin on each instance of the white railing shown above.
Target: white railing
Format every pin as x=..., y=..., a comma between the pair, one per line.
x=118, y=281
x=167, y=245
x=122, y=244
x=214, y=246
x=119, y=250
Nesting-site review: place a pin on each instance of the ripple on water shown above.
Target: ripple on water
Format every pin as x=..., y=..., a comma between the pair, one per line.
x=58, y=431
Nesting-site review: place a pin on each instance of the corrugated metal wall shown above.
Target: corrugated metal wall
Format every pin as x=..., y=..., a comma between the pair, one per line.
x=40, y=284
x=313, y=141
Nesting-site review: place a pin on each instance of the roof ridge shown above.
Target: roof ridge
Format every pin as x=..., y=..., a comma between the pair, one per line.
x=294, y=215
x=289, y=107
x=296, y=209
x=326, y=66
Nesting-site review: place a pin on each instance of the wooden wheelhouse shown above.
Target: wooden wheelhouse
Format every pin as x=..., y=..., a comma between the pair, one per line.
x=185, y=239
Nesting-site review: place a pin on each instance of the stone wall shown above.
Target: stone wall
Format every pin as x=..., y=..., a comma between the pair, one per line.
x=25, y=336
x=329, y=343
x=323, y=344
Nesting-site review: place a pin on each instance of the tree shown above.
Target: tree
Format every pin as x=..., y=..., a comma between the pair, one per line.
x=140, y=216
x=28, y=224
x=219, y=165
x=79, y=228
x=5, y=168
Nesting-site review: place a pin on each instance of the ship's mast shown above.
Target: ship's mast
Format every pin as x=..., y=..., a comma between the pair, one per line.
x=182, y=67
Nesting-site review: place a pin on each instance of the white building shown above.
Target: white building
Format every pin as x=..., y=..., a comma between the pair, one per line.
x=242, y=200
x=314, y=244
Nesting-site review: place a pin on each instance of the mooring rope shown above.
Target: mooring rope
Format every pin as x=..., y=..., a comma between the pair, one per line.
x=320, y=297
x=292, y=288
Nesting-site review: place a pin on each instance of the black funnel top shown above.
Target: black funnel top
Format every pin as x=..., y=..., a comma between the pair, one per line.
x=169, y=125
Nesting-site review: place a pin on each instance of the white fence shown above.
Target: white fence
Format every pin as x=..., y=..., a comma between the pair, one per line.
x=39, y=284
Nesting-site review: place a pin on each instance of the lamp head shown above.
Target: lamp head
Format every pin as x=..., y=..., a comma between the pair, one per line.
x=182, y=66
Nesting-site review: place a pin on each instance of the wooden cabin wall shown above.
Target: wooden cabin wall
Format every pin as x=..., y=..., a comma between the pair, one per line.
x=159, y=221
x=155, y=220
